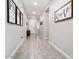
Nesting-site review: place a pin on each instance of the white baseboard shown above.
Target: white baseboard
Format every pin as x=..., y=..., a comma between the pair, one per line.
x=53, y=45
x=60, y=51
x=16, y=49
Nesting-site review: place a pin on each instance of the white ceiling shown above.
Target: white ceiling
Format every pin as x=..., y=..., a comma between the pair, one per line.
x=30, y=7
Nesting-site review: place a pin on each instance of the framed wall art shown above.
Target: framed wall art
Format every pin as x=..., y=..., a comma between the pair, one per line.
x=18, y=16
x=21, y=19
x=64, y=13
x=11, y=12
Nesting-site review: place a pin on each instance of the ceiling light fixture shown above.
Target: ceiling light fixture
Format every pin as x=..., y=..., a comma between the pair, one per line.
x=34, y=12
x=35, y=3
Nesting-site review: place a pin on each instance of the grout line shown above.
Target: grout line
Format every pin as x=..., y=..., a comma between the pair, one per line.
x=33, y=50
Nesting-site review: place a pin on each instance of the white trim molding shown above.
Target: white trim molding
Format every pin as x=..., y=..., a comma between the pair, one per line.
x=60, y=51
x=15, y=50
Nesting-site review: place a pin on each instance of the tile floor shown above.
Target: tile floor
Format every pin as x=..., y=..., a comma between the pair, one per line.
x=36, y=48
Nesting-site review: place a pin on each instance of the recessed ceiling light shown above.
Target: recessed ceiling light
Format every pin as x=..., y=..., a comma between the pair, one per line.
x=34, y=12
x=35, y=3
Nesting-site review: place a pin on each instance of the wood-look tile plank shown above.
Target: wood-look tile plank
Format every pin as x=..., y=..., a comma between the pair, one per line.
x=36, y=48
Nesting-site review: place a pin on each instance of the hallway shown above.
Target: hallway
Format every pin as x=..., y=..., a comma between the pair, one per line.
x=50, y=23
x=36, y=48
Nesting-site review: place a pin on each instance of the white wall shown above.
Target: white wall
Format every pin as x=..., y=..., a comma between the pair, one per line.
x=61, y=33
x=44, y=29
x=14, y=33
x=33, y=25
